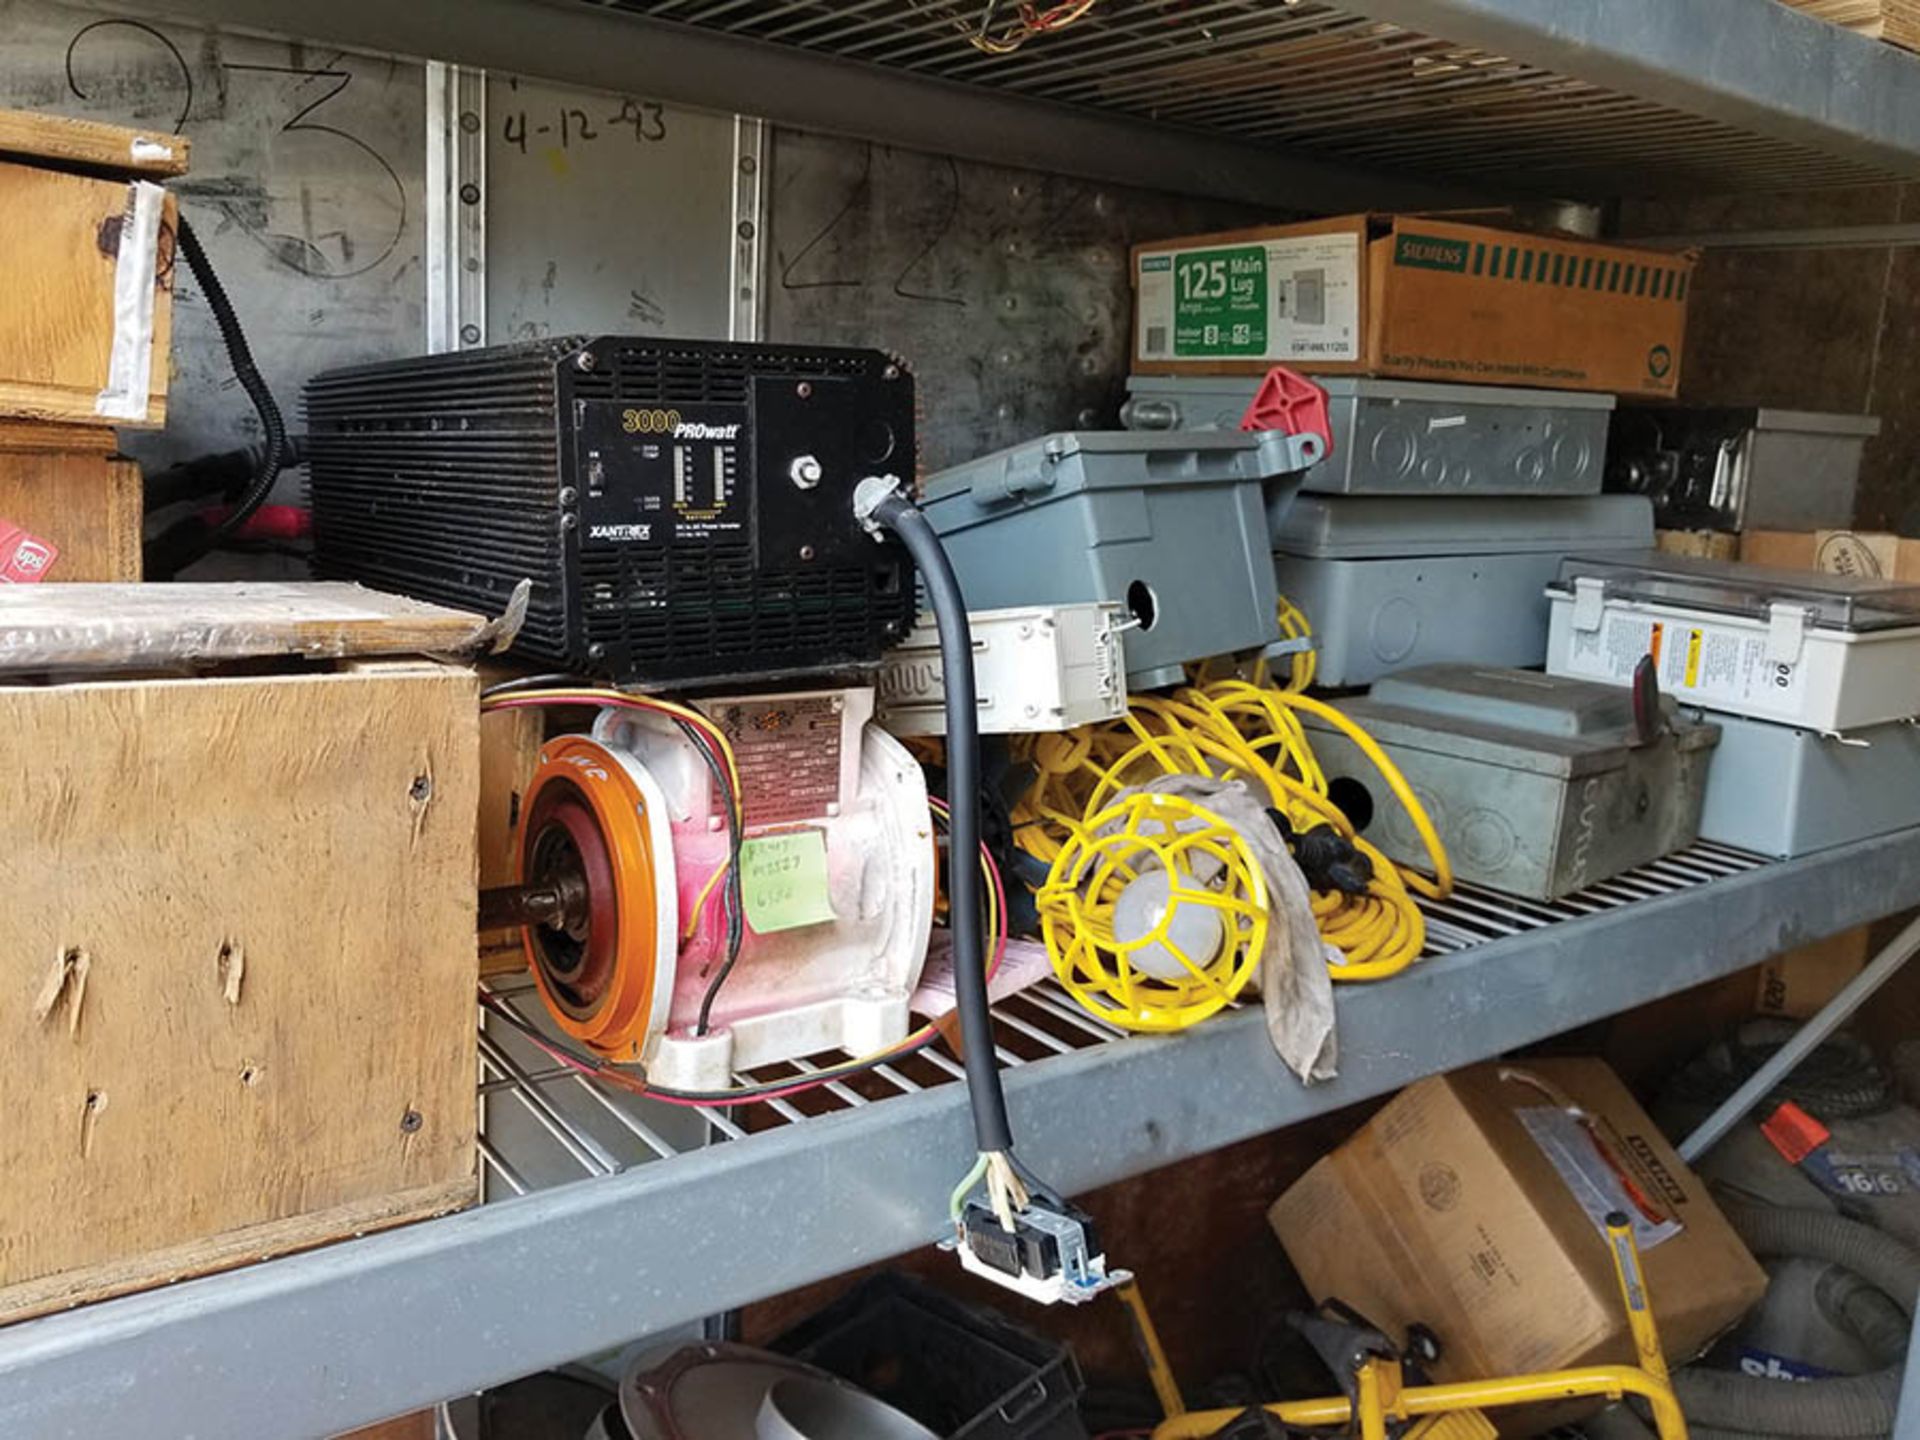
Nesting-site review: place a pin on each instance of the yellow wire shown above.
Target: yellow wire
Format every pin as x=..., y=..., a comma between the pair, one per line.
x=1229, y=729
x=700, y=900
x=588, y=695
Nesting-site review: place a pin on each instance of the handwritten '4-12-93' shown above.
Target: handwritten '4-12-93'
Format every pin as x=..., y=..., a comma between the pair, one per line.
x=642, y=121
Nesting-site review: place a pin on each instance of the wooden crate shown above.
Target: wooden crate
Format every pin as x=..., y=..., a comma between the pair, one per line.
x=66, y=484
x=69, y=197
x=237, y=927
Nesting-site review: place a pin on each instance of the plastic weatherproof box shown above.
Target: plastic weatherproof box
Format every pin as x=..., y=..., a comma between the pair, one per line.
x=1785, y=790
x=1826, y=652
x=1393, y=581
x=1411, y=437
x=1537, y=785
x=1041, y=667
x=1173, y=526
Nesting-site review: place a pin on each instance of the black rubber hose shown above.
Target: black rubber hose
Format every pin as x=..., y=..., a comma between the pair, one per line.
x=177, y=550
x=989, y=1101
x=1727, y=1403
x=215, y=477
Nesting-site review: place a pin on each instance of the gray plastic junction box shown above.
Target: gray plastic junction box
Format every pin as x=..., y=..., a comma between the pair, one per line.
x=1172, y=526
x=1785, y=790
x=1388, y=582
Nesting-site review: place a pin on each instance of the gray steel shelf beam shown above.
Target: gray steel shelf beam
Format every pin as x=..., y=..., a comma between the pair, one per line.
x=1767, y=69
x=345, y=1335
x=580, y=44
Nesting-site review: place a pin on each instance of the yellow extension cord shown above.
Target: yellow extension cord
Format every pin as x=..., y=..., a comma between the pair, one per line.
x=1232, y=729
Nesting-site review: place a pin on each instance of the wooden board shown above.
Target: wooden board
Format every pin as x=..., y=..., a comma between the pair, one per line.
x=89, y=144
x=1895, y=21
x=119, y=627
x=59, y=246
x=1699, y=544
x=509, y=752
x=64, y=484
x=417, y=1426
x=260, y=895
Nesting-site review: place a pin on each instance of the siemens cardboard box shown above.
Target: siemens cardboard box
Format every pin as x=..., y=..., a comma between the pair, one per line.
x=1475, y=1202
x=1423, y=299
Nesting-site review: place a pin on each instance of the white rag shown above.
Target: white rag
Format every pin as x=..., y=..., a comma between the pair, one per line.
x=1296, y=985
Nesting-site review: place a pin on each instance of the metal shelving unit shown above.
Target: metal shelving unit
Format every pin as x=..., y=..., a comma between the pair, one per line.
x=1288, y=103
x=1295, y=105
x=664, y=1232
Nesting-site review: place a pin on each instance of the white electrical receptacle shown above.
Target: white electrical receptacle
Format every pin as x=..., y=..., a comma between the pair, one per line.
x=1036, y=668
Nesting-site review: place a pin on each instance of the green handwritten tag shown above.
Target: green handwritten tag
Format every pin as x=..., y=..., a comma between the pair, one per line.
x=783, y=881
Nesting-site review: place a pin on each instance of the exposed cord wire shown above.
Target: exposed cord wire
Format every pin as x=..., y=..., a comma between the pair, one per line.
x=593, y=1067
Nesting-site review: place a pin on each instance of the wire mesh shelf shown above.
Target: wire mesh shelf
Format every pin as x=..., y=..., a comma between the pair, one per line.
x=543, y=1124
x=1322, y=79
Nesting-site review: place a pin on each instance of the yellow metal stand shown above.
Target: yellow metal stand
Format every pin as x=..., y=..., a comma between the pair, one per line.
x=1451, y=1410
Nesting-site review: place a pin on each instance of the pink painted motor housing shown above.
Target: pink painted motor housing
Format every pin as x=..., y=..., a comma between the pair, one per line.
x=834, y=971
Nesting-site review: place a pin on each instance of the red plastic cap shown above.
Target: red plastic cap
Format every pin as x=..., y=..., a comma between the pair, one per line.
x=1289, y=402
x=269, y=522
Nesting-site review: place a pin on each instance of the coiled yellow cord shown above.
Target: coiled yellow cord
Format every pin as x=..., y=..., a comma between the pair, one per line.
x=1235, y=729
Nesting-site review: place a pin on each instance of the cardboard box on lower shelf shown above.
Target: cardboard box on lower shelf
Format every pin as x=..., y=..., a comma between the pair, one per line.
x=1798, y=982
x=1474, y=1203
x=1874, y=554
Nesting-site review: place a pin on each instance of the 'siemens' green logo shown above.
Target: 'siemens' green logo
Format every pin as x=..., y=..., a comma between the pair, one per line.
x=1430, y=252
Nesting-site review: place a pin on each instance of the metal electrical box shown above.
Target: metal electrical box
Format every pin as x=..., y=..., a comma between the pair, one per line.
x=1173, y=526
x=1387, y=582
x=1785, y=790
x=1740, y=469
x=1829, y=652
x=1538, y=785
x=684, y=508
x=1410, y=437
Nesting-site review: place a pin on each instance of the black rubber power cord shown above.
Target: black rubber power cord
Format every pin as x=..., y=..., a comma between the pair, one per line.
x=904, y=519
x=189, y=540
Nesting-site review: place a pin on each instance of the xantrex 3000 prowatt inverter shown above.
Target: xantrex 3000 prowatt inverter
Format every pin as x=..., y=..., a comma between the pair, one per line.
x=684, y=508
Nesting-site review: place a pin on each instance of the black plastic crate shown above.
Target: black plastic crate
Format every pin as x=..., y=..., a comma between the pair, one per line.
x=964, y=1372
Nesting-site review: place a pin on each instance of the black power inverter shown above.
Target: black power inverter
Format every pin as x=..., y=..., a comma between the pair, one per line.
x=684, y=508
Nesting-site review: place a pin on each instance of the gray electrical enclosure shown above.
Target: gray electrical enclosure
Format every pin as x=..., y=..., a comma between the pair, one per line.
x=1388, y=582
x=1172, y=526
x=1537, y=785
x=1407, y=437
x=1785, y=791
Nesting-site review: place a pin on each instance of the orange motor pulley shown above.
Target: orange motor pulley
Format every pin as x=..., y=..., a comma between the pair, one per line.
x=591, y=829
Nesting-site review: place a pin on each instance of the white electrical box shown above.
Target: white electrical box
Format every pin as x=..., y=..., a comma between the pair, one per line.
x=1039, y=667
x=1830, y=653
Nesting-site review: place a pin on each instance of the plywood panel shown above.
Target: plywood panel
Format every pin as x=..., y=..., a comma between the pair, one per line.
x=237, y=934
x=115, y=627
x=66, y=485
